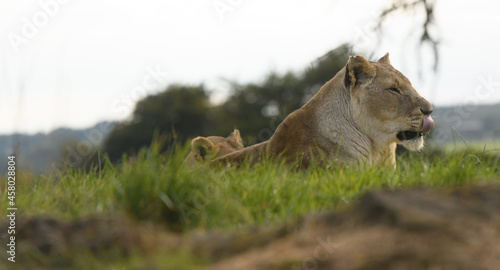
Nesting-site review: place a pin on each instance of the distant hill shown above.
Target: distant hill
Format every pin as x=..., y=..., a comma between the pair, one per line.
x=38, y=152
x=474, y=123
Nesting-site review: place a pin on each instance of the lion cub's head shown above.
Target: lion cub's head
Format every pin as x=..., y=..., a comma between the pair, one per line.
x=384, y=103
x=208, y=148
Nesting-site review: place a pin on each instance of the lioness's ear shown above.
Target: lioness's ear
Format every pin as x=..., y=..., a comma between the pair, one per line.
x=384, y=59
x=200, y=147
x=235, y=136
x=358, y=71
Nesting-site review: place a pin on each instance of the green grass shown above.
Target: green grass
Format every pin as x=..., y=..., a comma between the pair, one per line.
x=478, y=145
x=158, y=189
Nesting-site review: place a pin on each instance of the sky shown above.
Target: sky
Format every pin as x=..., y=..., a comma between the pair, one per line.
x=73, y=63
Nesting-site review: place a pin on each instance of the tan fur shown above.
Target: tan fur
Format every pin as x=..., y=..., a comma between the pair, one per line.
x=208, y=148
x=354, y=117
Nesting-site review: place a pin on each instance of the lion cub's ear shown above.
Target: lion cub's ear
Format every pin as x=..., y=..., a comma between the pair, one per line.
x=358, y=71
x=236, y=138
x=202, y=147
x=384, y=59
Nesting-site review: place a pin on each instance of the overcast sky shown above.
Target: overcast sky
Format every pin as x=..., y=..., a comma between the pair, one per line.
x=73, y=63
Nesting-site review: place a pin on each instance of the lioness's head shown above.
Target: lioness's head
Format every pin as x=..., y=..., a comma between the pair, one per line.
x=208, y=148
x=384, y=103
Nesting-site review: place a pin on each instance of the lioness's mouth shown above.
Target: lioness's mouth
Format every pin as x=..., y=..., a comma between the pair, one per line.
x=409, y=135
x=427, y=125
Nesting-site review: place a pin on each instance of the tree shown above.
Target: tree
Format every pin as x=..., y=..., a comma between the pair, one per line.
x=257, y=109
x=179, y=112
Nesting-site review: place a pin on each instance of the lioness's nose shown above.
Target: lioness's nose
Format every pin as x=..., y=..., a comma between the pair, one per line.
x=426, y=111
x=425, y=107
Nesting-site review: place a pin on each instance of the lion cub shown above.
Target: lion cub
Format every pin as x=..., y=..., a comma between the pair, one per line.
x=208, y=148
x=360, y=115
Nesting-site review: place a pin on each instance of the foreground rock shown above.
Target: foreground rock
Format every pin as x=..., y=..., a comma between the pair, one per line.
x=405, y=229
x=413, y=229
x=47, y=242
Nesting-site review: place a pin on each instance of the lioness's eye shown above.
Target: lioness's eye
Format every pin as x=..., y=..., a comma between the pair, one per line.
x=394, y=89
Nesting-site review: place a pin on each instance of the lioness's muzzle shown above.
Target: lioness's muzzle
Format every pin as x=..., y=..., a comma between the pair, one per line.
x=427, y=125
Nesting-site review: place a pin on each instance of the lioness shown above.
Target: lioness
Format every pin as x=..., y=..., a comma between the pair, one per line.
x=358, y=116
x=208, y=148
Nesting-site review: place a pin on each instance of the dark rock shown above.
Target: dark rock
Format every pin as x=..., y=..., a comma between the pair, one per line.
x=403, y=229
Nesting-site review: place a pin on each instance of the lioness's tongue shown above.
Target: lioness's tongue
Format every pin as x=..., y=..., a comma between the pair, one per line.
x=427, y=124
